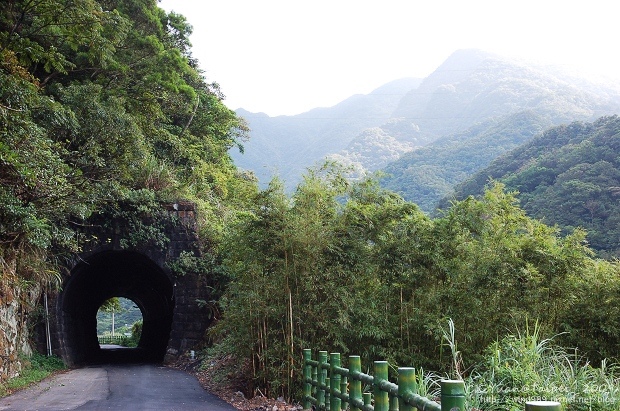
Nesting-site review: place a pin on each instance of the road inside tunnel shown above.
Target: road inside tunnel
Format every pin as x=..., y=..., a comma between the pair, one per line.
x=108, y=274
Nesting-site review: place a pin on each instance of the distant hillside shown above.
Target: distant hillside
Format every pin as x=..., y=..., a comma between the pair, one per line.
x=426, y=175
x=288, y=145
x=474, y=107
x=569, y=176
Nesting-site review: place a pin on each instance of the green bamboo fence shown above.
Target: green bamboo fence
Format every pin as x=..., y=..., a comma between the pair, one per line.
x=330, y=387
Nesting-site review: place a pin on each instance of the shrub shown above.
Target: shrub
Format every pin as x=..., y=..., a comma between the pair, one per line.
x=35, y=368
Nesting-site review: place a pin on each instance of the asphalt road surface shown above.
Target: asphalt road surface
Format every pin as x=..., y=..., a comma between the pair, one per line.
x=117, y=387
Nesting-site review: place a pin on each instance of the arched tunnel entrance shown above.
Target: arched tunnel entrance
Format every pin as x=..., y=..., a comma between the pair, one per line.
x=107, y=274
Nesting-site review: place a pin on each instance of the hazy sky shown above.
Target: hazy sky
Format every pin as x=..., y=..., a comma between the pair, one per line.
x=288, y=56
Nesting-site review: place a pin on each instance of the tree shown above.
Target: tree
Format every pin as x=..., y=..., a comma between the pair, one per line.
x=101, y=102
x=111, y=306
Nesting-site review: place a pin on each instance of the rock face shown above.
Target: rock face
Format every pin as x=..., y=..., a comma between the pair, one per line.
x=9, y=339
x=15, y=305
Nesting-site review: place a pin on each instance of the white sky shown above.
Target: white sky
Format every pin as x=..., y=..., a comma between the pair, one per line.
x=288, y=56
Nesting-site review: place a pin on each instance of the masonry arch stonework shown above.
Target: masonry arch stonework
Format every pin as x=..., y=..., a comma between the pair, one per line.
x=173, y=320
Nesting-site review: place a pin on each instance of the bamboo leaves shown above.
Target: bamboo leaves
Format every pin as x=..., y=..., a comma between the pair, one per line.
x=354, y=268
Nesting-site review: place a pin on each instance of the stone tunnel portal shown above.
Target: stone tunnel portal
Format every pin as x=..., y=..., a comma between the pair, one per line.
x=109, y=274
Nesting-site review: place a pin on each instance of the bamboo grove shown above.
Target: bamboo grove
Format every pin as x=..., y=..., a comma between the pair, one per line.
x=356, y=269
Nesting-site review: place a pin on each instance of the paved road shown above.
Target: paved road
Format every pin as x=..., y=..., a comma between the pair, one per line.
x=117, y=387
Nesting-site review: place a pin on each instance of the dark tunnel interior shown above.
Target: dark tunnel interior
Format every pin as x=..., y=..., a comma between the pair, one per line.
x=115, y=274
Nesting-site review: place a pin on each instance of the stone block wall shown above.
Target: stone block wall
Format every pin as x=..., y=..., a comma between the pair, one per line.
x=190, y=318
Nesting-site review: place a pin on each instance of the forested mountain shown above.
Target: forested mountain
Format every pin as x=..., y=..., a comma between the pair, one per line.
x=288, y=145
x=477, y=106
x=470, y=102
x=472, y=86
x=567, y=176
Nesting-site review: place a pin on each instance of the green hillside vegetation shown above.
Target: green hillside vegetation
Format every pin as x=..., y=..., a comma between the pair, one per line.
x=126, y=314
x=475, y=107
x=370, y=151
x=567, y=176
x=104, y=115
x=428, y=174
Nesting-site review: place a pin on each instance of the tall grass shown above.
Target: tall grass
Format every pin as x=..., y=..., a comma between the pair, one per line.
x=524, y=366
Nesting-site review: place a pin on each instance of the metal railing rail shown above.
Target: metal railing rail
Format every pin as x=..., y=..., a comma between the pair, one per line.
x=109, y=339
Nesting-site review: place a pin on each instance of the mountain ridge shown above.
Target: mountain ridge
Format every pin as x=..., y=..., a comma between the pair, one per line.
x=369, y=132
x=568, y=176
x=286, y=145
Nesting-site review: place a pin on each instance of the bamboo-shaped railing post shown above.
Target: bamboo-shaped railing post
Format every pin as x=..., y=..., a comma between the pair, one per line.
x=307, y=378
x=355, y=389
x=393, y=403
x=381, y=397
x=315, y=380
x=334, y=381
x=452, y=395
x=344, y=383
x=543, y=406
x=406, y=384
x=328, y=395
x=322, y=376
x=367, y=396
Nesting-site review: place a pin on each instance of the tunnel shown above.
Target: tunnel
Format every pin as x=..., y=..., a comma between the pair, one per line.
x=108, y=274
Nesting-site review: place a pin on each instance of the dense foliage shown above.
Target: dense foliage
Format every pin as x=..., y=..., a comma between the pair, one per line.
x=104, y=116
x=567, y=176
x=358, y=270
x=103, y=113
x=524, y=365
